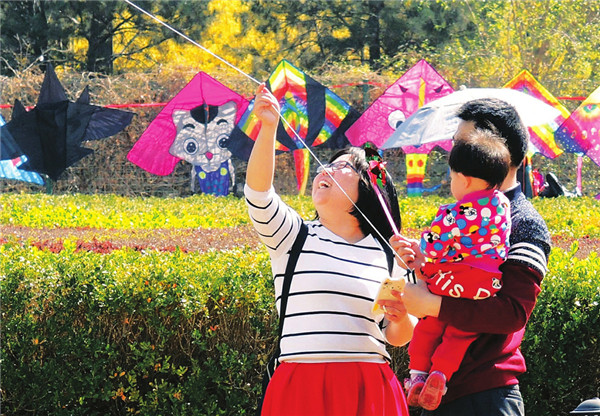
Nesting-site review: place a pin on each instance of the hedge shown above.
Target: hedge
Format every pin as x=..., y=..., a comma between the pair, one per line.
x=562, y=340
x=161, y=333
x=133, y=333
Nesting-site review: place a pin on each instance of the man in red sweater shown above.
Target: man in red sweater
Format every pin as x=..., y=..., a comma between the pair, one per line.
x=486, y=383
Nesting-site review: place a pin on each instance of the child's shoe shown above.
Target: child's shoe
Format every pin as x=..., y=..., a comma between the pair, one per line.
x=432, y=391
x=413, y=387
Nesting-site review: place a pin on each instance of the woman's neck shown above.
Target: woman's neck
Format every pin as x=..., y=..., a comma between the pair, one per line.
x=345, y=226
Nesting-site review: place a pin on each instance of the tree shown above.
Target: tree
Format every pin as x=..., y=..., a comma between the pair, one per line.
x=377, y=32
x=80, y=34
x=556, y=40
x=26, y=34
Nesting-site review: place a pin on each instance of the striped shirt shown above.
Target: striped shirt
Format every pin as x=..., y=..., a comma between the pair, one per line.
x=329, y=312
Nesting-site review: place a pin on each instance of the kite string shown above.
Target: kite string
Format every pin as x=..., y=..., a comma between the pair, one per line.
x=410, y=275
x=278, y=112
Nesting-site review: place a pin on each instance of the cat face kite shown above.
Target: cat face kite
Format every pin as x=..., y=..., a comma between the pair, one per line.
x=194, y=126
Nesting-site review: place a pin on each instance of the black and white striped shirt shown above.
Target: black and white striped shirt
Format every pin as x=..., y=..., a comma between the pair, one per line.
x=329, y=313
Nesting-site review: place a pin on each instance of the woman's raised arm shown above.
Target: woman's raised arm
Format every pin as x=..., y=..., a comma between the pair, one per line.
x=261, y=165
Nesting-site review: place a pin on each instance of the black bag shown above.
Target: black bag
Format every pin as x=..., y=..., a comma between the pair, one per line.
x=285, y=290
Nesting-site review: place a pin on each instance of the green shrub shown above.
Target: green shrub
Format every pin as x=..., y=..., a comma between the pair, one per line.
x=180, y=333
x=574, y=217
x=188, y=334
x=112, y=211
x=133, y=332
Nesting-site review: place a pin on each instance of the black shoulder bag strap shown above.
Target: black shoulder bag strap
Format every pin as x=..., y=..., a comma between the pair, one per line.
x=289, y=272
x=389, y=255
x=285, y=290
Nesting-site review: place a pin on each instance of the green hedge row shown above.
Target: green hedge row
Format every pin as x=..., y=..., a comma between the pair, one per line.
x=133, y=333
x=562, y=340
x=188, y=334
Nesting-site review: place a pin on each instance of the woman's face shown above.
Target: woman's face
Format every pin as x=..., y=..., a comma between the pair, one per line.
x=327, y=196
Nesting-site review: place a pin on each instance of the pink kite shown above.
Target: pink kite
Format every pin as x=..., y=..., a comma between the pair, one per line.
x=154, y=150
x=580, y=133
x=418, y=86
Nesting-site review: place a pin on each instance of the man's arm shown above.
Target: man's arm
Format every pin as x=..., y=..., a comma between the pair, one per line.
x=504, y=313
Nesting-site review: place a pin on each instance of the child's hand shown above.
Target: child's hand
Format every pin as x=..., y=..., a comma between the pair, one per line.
x=266, y=107
x=408, y=250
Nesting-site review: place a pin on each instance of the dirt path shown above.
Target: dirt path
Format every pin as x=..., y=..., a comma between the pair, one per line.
x=104, y=240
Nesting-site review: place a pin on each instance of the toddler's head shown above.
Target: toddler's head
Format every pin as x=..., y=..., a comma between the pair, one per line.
x=478, y=161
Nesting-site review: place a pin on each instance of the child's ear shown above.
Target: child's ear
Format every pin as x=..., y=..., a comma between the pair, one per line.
x=464, y=180
x=178, y=117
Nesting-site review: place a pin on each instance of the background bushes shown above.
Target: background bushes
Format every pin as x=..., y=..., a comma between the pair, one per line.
x=154, y=333
x=133, y=332
x=561, y=344
x=178, y=332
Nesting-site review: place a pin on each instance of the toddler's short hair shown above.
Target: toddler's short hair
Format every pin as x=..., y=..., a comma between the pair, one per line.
x=483, y=154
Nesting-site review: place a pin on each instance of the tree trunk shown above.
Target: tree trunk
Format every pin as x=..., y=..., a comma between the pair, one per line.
x=373, y=32
x=100, y=51
x=40, y=27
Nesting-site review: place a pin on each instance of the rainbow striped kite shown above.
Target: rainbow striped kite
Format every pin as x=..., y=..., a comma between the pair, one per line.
x=313, y=111
x=542, y=136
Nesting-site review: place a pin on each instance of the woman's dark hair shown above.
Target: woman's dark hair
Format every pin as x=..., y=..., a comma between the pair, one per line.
x=367, y=201
x=482, y=155
x=501, y=118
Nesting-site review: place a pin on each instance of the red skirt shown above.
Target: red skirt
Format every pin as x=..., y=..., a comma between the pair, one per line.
x=334, y=389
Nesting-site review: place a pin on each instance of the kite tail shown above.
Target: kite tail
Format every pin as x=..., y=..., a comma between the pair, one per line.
x=302, y=162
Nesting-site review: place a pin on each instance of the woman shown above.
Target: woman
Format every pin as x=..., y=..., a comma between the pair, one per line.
x=333, y=356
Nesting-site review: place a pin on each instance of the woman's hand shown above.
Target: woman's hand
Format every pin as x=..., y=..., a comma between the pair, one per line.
x=394, y=310
x=400, y=329
x=266, y=107
x=261, y=164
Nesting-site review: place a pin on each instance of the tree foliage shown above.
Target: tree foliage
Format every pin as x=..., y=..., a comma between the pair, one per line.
x=556, y=40
x=91, y=35
x=471, y=42
x=379, y=33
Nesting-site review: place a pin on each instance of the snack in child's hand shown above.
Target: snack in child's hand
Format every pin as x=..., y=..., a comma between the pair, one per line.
x=385, y=292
